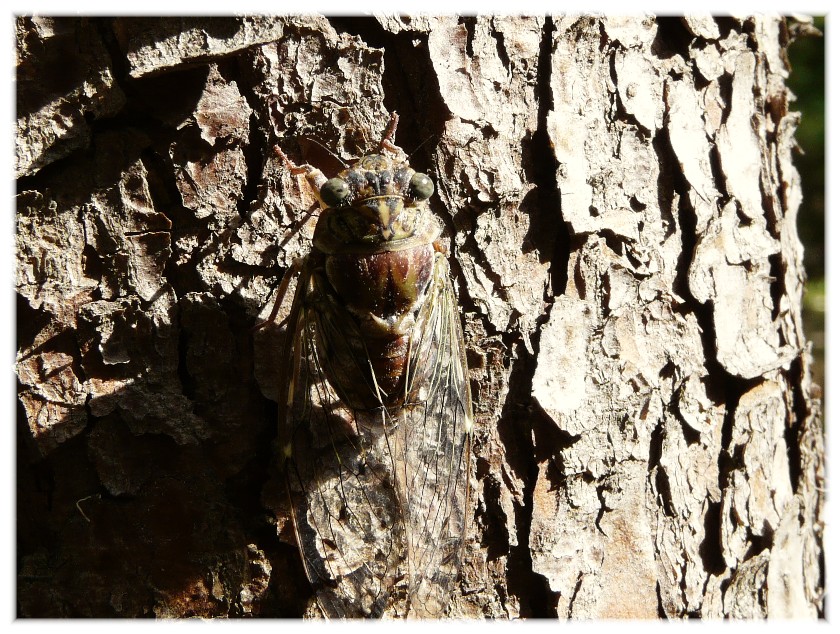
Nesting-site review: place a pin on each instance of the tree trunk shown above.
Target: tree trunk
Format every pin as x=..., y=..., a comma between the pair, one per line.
x=620, y=208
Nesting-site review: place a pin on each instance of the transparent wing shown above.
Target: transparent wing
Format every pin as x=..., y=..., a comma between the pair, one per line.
x=338, y=477
x=378, y=497
x=436, y=450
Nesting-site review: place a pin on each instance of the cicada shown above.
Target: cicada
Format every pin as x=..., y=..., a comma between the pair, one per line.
x=375, y=425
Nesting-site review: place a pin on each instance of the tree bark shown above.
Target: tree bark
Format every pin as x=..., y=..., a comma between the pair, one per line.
x=620, y=207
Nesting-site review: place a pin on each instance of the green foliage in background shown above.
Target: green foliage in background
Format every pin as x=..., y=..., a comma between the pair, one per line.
x=807, y=82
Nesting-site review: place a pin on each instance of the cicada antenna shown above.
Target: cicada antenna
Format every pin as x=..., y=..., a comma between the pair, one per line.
x=428, y=138
x=274, y=114
x=327, y=150
x=390, y=131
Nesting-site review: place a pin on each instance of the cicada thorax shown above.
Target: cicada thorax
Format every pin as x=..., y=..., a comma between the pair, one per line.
x=378, y=254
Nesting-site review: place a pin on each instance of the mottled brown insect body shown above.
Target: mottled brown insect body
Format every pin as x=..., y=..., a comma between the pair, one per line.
x=377, y=419
x=383, y=292
x=378, y=258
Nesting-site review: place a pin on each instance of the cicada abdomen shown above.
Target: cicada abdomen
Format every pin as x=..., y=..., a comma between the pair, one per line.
x=377, y=420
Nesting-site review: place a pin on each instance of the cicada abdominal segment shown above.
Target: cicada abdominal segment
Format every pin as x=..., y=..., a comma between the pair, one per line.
x=377, y=417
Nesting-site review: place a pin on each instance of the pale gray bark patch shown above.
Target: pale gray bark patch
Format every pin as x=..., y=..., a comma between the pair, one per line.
x=492, y=101
x=566, y=546
x=702, y=25
x=737, y=141
x=565, y=339
x=756, y=494
x=689, y=140
x=730, y=269
x=630, y=31
x=640, y=89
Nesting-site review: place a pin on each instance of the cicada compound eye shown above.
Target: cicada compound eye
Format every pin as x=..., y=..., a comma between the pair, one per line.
x=420, y=187
x=335, y=191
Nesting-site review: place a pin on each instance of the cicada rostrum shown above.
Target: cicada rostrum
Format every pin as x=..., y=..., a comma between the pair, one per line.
x=376, y=422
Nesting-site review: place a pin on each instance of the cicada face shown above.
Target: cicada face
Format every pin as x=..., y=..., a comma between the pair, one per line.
x=377, y=421
x=378, y=204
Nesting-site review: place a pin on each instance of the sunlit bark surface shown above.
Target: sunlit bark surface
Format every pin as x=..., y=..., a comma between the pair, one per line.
x=620, y=208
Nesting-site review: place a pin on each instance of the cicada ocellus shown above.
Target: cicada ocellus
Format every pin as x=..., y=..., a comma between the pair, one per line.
x=376, y=422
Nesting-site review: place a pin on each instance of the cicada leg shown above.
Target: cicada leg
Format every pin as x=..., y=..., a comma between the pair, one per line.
x=292, y=271
x=316, y=178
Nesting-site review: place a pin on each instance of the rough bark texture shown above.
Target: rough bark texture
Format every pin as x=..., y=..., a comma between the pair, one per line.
x=620, y=205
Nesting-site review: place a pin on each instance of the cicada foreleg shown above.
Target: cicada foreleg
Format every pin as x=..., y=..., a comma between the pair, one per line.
x=315, y=178
x=292, y=271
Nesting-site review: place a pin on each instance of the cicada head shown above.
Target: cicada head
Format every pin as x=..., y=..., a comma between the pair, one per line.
x=376, y=201
x=376, y=176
